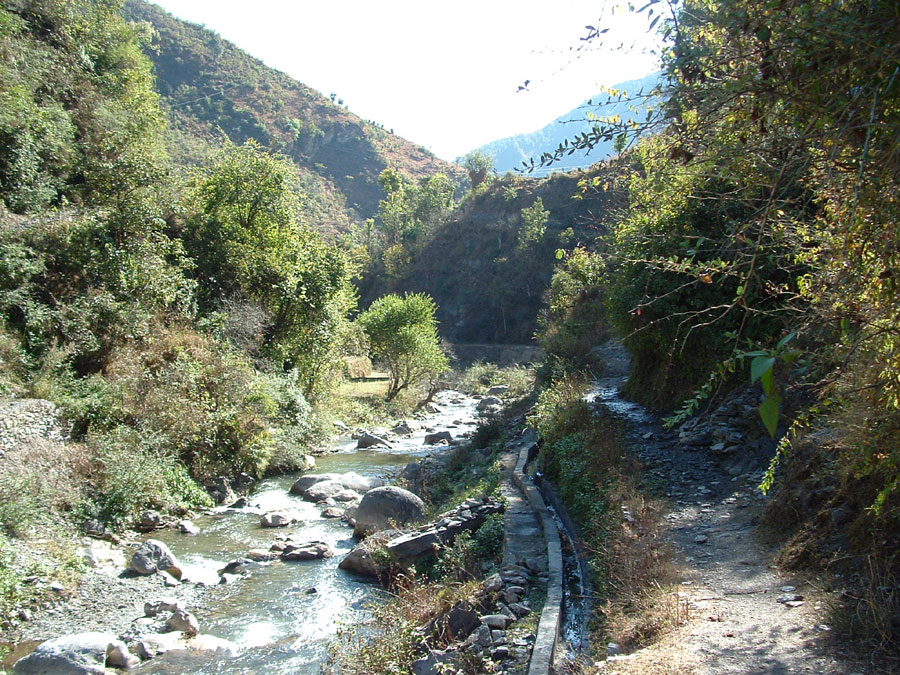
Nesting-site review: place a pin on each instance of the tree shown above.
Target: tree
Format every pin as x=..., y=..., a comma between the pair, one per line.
x=248, y=241
x=479, y=165
x=403, y=334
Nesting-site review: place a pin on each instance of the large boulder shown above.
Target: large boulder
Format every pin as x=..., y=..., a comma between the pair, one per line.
x=383, y=506
x=182, y=621
x=438, y=437
x=368, y=440
x=313, y=550
x=488, y=403
x=323, y=490
x=154, y=556
x=275, y=519
x=361, y=484
x=76, y=655
x=369, y=558
x=303, y=483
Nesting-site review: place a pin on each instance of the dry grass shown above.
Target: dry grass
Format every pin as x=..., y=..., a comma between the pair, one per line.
x=643, y=602
x=389, y=644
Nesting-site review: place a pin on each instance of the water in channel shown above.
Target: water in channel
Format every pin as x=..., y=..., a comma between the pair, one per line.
x=273, y=614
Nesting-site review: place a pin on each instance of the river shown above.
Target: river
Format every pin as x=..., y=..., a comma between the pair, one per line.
x=284, y=615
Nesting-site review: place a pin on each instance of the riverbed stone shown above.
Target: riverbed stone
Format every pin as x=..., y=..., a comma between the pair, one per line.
x=438, y=437
x=303, y=483
x=368, y=440
x=369, y=558
x=385, y=505
x=81, y=653
x=360, y=484
x=182, y=621
x=188, y=527
x=498, y=390
x=488, y=403
x=167, y=604
x=275, y=519
x=323, y=490
x=496, y=621
x=154, y=556
x=313, y=550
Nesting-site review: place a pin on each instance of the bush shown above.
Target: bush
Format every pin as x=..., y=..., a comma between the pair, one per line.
x=135, y=470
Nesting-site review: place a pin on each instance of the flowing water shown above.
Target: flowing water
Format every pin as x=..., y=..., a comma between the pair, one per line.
x=284, y=615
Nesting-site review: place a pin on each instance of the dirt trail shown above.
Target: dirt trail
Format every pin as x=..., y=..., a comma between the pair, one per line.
x=741, y=614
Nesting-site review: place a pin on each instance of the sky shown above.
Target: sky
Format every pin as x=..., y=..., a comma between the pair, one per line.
x=445, y=75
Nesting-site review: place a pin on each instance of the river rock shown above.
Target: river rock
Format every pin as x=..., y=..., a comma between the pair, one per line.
x=182, y=621
x=261, y=554
x=435, y=438
x=323, y=490
x=313, y=550
x=498, y=390
x=369, y=558
x=340, y=426
x=239, y=503
x=76, y=654
x=368, y=440
x=496, y=621
x=403, y=429
x=303, y=483
x=346, y=496
x=333, y=512
x=221, y=491
x=167, y=604
x=307, y=463
x=161, y=643
x=488, y=403
x=385, y=505
x=275, y=519
x=361, y=484
x=188, y=527
x=101, y=554
x=149, y=520
x=154, y=556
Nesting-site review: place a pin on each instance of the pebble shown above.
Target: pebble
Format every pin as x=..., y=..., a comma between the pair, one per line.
x=701, y=539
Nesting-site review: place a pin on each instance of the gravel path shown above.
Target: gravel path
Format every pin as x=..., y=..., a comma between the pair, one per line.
x=743, y=615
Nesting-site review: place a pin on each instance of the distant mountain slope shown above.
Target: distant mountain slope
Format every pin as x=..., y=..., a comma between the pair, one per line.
x=208, y=84
x=509, y=153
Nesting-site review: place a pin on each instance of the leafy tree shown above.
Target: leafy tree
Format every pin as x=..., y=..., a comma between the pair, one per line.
x=248, y=240
x=403, y=334
x=478, y=165
x=534, y=223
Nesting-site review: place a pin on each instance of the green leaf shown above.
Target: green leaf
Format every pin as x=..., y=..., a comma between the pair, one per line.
x=768, y=411
x=767, y=379
x=760, y=365
x=787, y=338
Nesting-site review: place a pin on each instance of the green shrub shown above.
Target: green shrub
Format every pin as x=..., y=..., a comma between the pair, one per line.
x=133, y=470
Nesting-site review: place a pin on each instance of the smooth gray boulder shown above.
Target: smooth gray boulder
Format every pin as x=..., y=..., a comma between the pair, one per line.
x=361, y=484
x=369, y=558
x=75, y=655
x=498, y=390
x=154, y=556
x=323, y=490
x=313, y=550
x=383, y=506
x=303, y=483
x=275, y=519
x=368, y=440
x=488, y=403
x=182, y=621
x=433, y=439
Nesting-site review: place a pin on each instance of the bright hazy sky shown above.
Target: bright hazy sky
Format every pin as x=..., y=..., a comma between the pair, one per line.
x=441, y=74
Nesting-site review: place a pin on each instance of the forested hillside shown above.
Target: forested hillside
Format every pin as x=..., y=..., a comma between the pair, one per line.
x=209, y=87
